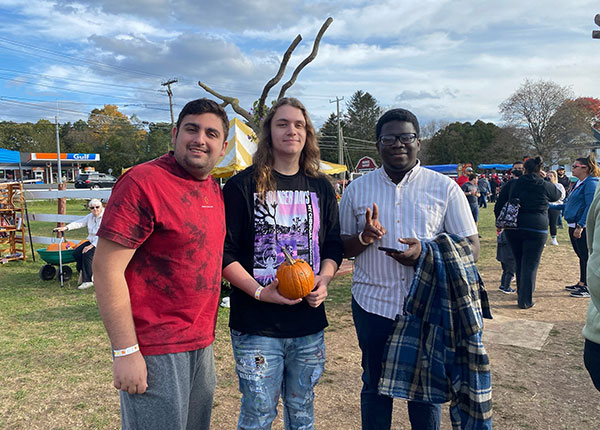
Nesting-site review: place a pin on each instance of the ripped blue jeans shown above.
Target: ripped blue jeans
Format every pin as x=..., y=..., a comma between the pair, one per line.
x=270, y=367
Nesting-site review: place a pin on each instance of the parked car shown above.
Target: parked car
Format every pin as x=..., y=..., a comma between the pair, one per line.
x=94, y=180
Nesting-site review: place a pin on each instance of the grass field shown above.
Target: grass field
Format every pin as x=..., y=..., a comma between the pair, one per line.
x=56, y=364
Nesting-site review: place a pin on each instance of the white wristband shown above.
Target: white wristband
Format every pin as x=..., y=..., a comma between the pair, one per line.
x=126, y=351
x=360, y=239
x=257, y=293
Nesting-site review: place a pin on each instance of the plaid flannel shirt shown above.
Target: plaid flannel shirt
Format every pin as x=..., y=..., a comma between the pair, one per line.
x=435, y=353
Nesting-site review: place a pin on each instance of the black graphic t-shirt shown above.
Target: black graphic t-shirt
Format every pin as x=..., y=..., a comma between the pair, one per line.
x=302, y=215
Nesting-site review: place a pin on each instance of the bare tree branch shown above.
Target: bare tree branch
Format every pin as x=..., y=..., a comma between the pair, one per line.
x=234, y=104
x=286, y=58
x=308, y=59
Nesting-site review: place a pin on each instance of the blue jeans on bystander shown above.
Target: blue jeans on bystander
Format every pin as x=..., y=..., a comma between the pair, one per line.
x=269, y=367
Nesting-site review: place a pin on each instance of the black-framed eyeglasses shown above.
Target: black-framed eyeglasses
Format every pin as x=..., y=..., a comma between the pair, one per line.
x=95, y=207
x=390, y=139
x=574, y=166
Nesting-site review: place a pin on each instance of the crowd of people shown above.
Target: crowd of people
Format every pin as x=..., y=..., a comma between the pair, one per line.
x=169, y=233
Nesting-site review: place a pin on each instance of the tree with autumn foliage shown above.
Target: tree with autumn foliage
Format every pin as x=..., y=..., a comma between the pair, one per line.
x=119, y=141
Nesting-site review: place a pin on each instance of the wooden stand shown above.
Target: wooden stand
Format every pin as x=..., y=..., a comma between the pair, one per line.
x=12, y=223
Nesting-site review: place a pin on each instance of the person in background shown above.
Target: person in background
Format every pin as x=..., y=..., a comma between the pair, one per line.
x=506, y=258
x=158, y=276
x=528, y=239
x=517, y=170
x=563, y=179
x=465, y=176
x=554, y=208
x=483, y=186
x=576, y=208
x=472, y=193
x=494, y=185
x=282, y=200
x=591, y=330
x=84, y=253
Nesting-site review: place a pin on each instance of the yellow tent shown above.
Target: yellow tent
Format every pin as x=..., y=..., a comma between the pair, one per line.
x=238, y=155
x=241, y=147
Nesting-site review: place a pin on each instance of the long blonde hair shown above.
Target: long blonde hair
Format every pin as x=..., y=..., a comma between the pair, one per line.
x=263, y=159
x=590, y=163
x=553, y=176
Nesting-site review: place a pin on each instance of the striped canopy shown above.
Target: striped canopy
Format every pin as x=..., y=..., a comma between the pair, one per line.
x=241, y=147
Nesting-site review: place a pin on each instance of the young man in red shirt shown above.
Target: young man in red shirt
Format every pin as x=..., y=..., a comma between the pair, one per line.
x=157, y=275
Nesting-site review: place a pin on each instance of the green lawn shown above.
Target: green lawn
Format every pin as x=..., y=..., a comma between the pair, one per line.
x=55, y=356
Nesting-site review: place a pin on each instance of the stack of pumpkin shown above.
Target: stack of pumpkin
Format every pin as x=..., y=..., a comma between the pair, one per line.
x=67, y=244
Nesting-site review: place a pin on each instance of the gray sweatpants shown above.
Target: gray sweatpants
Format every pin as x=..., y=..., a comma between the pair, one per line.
x=179, y=396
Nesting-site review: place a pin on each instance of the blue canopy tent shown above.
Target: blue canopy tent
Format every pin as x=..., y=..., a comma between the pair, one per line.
x=443, y=168
x=9, y=157
x=494, y=166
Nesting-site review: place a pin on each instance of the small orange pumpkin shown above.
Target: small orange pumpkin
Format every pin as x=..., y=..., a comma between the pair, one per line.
x=65, y=245
x=296, y=278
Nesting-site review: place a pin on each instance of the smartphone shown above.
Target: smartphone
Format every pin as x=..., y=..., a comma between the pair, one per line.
x=383, y=248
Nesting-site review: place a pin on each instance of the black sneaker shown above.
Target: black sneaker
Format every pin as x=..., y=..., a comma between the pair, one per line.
x=581, y=292
x=573, y=287
x=507, y=290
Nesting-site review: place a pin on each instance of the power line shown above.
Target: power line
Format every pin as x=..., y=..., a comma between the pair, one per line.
x=50, y=52
x=24, y=81
x=84, y=81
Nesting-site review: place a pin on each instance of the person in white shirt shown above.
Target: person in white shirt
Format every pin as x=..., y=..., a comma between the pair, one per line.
x=84, y=253
x=395, y=207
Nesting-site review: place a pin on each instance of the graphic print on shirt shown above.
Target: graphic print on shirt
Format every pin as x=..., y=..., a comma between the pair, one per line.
x=285, y=218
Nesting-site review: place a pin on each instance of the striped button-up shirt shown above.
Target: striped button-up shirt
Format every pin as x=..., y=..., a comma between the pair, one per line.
x=423, y=205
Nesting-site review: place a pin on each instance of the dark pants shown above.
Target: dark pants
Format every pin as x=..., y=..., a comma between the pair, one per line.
x=84, y=261
x=580, y=248
x=591, y=358
x=376, y=410
x=474, y=211
x=508, y=273
x=553, y=215
x=483, y=200
x=527, y=247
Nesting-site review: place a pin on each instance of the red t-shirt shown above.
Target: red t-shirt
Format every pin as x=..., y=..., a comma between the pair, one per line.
x=176, y=223
x=461, y=180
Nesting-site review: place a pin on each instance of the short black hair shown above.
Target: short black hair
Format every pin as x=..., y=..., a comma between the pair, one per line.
x=533, y=165
x=472, y=176
x=397, y=114
x=204, y=105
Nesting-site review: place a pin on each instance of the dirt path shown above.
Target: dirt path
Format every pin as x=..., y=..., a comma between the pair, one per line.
x=532, y=389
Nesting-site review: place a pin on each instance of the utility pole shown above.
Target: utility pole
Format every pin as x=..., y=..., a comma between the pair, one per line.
x=339, y=129
x=170, y=94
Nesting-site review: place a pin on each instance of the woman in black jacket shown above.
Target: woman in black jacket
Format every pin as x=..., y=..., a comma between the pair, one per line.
x=528, y=239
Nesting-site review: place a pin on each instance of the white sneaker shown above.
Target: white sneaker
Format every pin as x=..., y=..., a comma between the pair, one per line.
x=85, y=285
x=554, y=241
x=225, y=303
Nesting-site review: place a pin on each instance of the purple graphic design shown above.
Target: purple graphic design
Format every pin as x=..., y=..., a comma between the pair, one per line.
x=290, y=219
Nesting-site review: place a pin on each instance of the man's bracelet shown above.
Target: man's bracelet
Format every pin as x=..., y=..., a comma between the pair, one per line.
x=360, y=239
x=257, y=293
x=126, y=351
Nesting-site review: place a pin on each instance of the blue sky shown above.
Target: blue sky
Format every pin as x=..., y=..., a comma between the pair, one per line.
x=444, y=60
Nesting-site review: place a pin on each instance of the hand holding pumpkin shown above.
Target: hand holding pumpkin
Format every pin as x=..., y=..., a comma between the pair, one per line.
x=319, y=293
x=271, y=294
x=296, y=278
